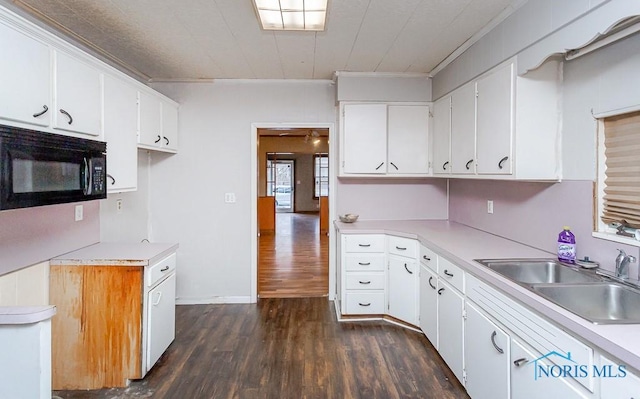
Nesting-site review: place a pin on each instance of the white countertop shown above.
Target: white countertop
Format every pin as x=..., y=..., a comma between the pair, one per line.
x=116, y=254
x=462, y=244
x=25, y=314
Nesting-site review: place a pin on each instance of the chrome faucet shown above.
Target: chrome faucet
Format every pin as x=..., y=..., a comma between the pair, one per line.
x=622, y=264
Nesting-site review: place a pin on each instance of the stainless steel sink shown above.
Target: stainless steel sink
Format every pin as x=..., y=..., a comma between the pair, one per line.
x=600, y=303
x=537, y=271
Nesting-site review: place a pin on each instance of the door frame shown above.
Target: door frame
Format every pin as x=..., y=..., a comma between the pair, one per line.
x=333, y=165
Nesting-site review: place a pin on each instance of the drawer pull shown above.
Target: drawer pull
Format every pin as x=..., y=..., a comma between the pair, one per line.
x=62, y=111
x=364, y=245
x=158, y=139
x=503, y=160
x=407, y=269
x=364, y=304
x=157, y=302
x=394, y=165
x=44, y=111
x=425, y=258
x=379, y=166
x=444, y=165
x=468, y=163
x=164, y=269
x=448, y=273
x=364, y=263
x=493, y=341
x=401, y=248
x=440, y=291
x=432, y=286
x=365, y=282
x=521, y=361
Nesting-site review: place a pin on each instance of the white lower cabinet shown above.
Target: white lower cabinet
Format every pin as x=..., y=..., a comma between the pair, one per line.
x=403, y=290
x=619, y=383
x=486, y=356
x=161, y=314
x=525, y=385
x=451, y=327
x=429, y=304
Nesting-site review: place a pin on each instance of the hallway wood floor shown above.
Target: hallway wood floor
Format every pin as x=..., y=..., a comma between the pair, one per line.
x=293, y=262
x=288, y=348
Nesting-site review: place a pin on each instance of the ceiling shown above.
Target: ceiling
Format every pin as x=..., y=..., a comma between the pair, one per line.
x=221, y=39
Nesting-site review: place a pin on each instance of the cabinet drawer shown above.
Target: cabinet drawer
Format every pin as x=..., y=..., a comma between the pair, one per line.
x=451, y=274
x=161, y=269
x=364, y=281
x=364, y=262
x=429, y=258
x=364, y=243
x=403, y=247
x=365, y=302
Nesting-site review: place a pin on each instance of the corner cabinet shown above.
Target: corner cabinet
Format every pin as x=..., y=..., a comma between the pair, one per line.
x=384, y=139
x=115, y=316
x=501, y=126
x=158, y=123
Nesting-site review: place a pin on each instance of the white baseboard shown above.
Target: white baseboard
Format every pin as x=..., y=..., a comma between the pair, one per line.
x=213, y=300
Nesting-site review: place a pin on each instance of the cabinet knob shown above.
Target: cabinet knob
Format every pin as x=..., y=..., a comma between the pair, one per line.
x=44, y=111
x=364, y=282
x=446, y=272
x=468, y=163
x=364, y=304
x=503, y=160
x=425, y=258
x=364, y=263
x=68, y=115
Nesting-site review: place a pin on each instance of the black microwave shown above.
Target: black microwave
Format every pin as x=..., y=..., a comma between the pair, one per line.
x=38, y=168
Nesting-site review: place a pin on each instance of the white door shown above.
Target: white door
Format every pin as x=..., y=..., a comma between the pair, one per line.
x=486, y=356
x=450, y=327
x=495, y=122
x=169, y=126
x=524, y=384
x=78, y=96
x=161, y=319
x=403, y=273
x=25, y=78
x=120, y=133
x=150, y=120
x=616, y=387
x=429, y=304
x=442, y=136
x=284, y=189
x=408, y=139
x=364, y=139
x=463, y=130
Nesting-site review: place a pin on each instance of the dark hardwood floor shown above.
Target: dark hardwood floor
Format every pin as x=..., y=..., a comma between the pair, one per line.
x=288, y=348
x=294, y=262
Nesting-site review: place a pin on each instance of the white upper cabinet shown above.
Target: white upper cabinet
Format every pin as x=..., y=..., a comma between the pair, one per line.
x=158, y=118
x=77, y=95
x=25, y=78
x=384, y=139
x=442, y=136
x=364, y=140
x=120, y=133
x=408, y=139
x=463, y=130
x=495, y=121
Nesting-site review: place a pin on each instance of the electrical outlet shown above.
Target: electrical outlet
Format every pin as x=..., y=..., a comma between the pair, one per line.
x=489, y=206
x=79, y=213
x=230, y=198
x=119, y=205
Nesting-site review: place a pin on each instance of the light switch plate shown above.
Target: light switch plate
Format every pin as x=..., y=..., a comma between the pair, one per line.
x=79, y=213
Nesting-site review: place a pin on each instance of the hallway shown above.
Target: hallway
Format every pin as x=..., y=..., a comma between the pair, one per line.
x=294, y=262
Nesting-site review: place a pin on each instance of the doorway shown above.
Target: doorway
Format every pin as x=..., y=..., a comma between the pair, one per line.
x=292, y=182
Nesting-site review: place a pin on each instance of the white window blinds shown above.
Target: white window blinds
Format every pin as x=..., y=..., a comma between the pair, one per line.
x=622, y=182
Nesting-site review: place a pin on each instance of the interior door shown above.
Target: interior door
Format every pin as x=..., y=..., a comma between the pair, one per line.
x=284, y=187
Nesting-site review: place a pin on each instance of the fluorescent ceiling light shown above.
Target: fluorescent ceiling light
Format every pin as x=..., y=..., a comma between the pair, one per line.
x=292, y=14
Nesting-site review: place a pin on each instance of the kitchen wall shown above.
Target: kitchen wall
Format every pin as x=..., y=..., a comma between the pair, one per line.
x=534, y=213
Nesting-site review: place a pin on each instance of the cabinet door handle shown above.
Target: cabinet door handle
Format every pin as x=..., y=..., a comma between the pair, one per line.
x=364, y=263
x=521, y=361
x=432, y=286
x=468, y=163
x=444, y=165
x=440, y=291
x=157, y=302
x=503, y=160
x=158, y=139
x=407, y=269
x=67, y=114
x=364, y=282
x=401, y=248
x=446, y=272
x=394, y=165
x=364, y=245
x=364, y=304
x=166, y=140
x=44, y=111
x=425, y=258
x=379, y=166
x=113, y=180
x=493, y=341
x=164, y=269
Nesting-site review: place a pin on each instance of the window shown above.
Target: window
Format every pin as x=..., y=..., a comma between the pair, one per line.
x=321, y=175
x=619, y=175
